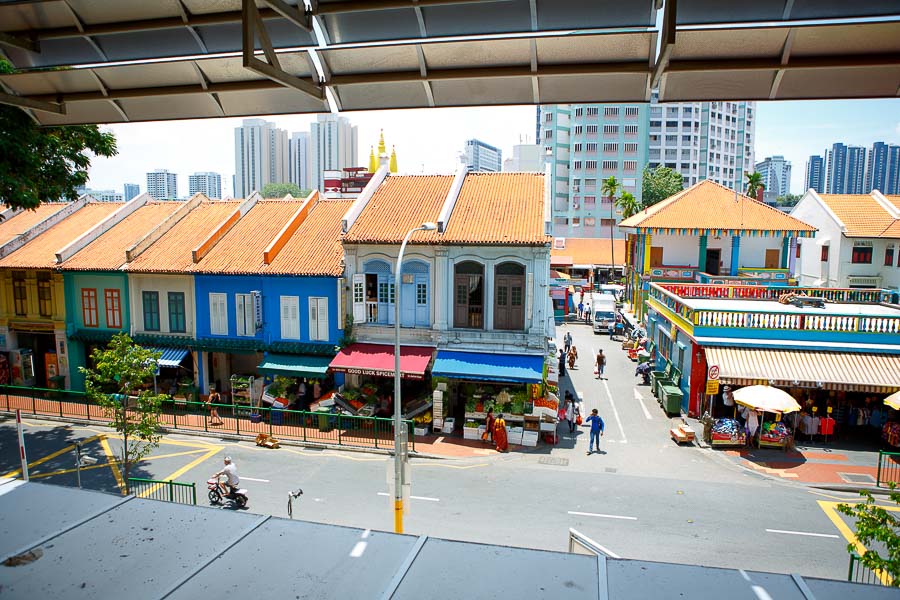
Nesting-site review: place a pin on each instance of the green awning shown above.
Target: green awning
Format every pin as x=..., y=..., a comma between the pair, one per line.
x=294, y=365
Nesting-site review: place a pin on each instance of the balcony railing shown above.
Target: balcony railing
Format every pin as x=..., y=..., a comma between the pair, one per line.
x=371, y=312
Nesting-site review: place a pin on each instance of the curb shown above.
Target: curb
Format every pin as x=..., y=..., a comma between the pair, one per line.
x=850, y=488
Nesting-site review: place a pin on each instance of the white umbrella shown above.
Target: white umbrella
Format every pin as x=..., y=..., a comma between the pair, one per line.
x=893, y=400
x=766, y=398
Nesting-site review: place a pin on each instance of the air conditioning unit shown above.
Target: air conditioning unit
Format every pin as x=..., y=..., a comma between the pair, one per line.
x=576, y=188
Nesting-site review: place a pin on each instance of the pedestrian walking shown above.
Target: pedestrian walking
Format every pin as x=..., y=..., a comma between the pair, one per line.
x=570, y=415
x=211, y=402
x=562, y=362
x=580, y=310
x=567, y=341
x=488, y=434
x=597, y=427
x=500, y=437
x=587, y=313
x=601, y=364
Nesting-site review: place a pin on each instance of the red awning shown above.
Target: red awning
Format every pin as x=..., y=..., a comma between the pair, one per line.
x=378, y=360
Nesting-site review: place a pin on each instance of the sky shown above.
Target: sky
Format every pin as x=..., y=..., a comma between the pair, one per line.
x=431, y=140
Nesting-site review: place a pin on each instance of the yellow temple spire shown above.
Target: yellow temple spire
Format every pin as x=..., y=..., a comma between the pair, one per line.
x=381, y=147
x=392, y=167
x=373, y=162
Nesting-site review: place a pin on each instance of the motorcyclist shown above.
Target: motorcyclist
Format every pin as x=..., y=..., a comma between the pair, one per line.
x=232, y=481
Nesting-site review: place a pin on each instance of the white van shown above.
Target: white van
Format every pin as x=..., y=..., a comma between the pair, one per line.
x=616, y=291
x=604, y=309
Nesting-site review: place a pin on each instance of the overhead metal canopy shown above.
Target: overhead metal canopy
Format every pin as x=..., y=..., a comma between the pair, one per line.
x=131, y=60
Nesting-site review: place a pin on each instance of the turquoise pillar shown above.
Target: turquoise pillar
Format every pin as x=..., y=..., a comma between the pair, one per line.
x=735, y=255
x=701, y=258
x=785, y=251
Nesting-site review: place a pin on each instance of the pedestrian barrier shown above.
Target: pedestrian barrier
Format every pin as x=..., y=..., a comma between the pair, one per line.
x=888, y=468
x=295, y=425
x=860, y=573
x=167, y=491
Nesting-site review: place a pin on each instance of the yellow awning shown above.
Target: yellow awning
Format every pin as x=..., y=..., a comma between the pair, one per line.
x=846, y=371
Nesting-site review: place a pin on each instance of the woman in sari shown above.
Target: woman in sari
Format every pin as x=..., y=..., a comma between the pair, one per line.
x=500, y=434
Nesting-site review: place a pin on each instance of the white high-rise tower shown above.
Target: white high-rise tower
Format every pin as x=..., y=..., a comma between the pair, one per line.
x=332, y=147
x=260, y=156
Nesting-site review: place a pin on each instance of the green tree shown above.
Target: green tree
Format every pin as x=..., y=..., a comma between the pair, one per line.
x=118, y=383
x=659, y=183
x=609, y=187
x=880, y=526
x=788, y=200
x=280, y=190
x=754, y=183
x=42, y=164
x=628, y=204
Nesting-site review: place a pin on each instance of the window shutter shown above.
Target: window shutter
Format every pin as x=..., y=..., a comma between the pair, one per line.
x=322, y=318
x=249, y=316
x=359, y=298
x=240, y=314
x=285, y=320
x=290, y=323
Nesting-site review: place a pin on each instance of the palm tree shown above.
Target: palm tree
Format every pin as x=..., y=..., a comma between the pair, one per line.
x=754, y=183
x=609, y=188
x=629, y=204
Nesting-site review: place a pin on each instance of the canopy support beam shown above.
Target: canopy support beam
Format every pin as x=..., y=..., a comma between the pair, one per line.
x=22, y=102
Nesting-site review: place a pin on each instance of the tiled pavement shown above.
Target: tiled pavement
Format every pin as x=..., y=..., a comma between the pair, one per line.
x=812, y=464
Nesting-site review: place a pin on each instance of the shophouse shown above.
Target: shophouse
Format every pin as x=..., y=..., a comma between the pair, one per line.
x=32, y=304
x=709, y=234
x=858, y=242
x=830, y=347
x=474, y=294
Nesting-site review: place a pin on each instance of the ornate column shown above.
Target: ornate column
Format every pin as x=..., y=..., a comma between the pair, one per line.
x=735, y=255
x=442, y=295
x=701, y=258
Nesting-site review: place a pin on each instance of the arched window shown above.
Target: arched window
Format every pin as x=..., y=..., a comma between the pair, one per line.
x=468, y=295
x=509, y=296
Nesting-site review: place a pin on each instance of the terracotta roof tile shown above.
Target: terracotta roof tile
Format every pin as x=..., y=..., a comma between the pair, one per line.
x=40, y=252
x=241, y=250
x=171, y=253
x=25, y=220
x=587, y=251
x=709, y=205
x=498, y=208
x=401, y=203
x=861, y=214
x=107, y=252
x=315, y=248
x=895, y=200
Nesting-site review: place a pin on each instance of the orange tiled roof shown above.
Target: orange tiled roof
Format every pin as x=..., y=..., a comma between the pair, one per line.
x=241, y=250
x=895, y=200
x=401, y=203
x=171, y=253
x=25, y=220
x=498, y=208
x=708, y=205
x=861, y=214
x=40, y=252
x=892, y=232
x=107, y=252
x=587, y=251
x=315, y=248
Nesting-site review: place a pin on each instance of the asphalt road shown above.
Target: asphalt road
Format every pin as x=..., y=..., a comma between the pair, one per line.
x=643, y=498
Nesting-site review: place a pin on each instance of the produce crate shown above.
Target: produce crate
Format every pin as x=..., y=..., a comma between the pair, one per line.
x=420, y=430
x=471, y=433
x=530, y=438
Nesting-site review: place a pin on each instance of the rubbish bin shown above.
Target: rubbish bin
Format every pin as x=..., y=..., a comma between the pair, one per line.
x=323, y=420
x=277, y=415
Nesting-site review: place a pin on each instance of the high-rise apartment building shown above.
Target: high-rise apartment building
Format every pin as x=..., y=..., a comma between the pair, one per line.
x=131, y=191
x=525, y=157
x=584, y=144
x=333, y=146
x=883, y=172
x=205, y=183
x=815, y=174
x=845, y=169
x=482, y=157
x=162, y=185
x=300, y=160
x=704, y=140
x=776, y=176
x=260, y=156
x=104, y=195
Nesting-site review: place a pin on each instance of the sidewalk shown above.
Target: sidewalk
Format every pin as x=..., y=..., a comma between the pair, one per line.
x=812, y=464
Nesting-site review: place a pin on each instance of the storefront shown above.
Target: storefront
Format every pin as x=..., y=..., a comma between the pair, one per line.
x=470, y=384
x=175, y=374
x=295, y=380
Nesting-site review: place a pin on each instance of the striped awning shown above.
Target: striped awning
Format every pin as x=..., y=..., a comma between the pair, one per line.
x=171, y=357
x=847, y=371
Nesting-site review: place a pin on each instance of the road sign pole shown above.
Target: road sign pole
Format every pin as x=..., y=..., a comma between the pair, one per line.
x=22, y=445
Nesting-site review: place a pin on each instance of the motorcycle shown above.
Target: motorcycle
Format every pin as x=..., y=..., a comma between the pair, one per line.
x=218, y=492
x=643, y=370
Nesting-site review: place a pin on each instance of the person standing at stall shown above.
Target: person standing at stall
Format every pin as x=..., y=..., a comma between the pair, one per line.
x=500, y=437
x=570, y=415
x=489, y=426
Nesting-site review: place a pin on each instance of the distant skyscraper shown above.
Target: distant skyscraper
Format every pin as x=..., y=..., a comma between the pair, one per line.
x=481, y=157
x=845, y=168
x=776, y=176
x=131, y=190
x=526, y=157
x=883, y=172
x=260, y=156
x=205, y=183
x=815, y=174
x=537, y=126
x=333, y=146
x=162, y=185
x=300, y=160
x=104, y=195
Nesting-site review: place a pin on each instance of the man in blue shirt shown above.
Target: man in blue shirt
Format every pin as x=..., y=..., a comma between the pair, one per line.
x=596, y=430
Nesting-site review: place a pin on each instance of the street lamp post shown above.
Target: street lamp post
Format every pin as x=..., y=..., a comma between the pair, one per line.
x=399, y=430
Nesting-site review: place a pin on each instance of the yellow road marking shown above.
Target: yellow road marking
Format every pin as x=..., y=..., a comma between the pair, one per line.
x=209, y=454
x=64, y=471
x=830, y=509
x=113, y=463
x=51, y=456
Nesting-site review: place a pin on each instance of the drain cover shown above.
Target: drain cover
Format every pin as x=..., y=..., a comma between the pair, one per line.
x=611, y=469
x=857, y=478
x=556, y=462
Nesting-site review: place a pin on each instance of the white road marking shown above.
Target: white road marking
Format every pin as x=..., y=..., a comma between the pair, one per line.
x=257, y=480
x=824, y=535
x=587, y=514
x=358, y=549
x=640, y=399
x=426, y=498
x=615, y=412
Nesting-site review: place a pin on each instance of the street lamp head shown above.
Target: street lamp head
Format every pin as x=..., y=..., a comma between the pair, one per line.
x=428, y=226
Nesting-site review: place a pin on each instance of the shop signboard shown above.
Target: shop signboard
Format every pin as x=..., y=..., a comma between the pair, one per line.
x=379, y=373
x=713, y=372
x=712, y=387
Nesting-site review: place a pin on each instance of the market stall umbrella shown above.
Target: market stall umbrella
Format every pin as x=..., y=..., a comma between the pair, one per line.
x=893, y=401
x=766, y=398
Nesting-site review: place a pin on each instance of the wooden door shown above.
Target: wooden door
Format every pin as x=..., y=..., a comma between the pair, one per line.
x=713, y=258
x=773, y=258
x=656, y=256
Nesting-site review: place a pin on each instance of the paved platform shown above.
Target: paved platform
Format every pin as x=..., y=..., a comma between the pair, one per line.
x=812, y=464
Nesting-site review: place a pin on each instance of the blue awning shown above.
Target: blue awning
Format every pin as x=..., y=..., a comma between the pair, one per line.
x=481, y=366
x=171, y=357
x=291, y=365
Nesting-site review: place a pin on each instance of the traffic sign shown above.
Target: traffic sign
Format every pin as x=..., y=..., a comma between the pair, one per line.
x=713, y=372
x=712, y=387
